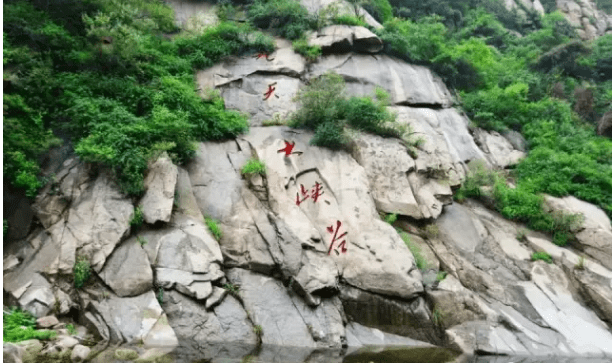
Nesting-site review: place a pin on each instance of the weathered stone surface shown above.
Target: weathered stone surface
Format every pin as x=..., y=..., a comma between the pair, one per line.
x=604, y=124
x=462, y=228
x=344, y=38
x=497, y=149
x=376, y=258
x=128, y=270
x=194, y=15
x=406, y=318
x=447, y=144
x=131, y=319
x=450, y=295
x=12, y=353
x=9, y=263
x=160, y=190
x=594, y=234
x=359, y=335
x=46, y=322
x=284, y=318
x=387, y=164
x=203, y=332
x=407, y=84
x=344, y=8
x=79, y=353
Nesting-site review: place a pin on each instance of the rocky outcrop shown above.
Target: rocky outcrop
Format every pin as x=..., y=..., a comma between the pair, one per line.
x=589, y=21
x=594, y=233
x=344, y=38
x=159, y=190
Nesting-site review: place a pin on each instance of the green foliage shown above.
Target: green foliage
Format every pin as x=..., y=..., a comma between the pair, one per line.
x=420, y=41
x=138, y=217
x=213, y=227
x=348, y=20
x=432, y=230
x=420, y=260
x=160, y=295
x=81, y=272
x=542, y=256
x=581, y=263
x=232, y=289
x=288, y=18
x=310, y=52
x=381, y=10
x=71, y=329
x=141, y=240
x=604, y=5
x=326, y=110
x=440, y=276
x=521, y=234
x=254, y=166
x=20, y=325
x=390, y=218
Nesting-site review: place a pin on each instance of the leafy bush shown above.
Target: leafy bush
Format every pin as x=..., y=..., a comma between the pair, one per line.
x=20, y=325
x=326, y=110
x=420, y=41
x=420, y=260
x=348, y=20
x=254, y=166
x=440, y=276
x=287, y=17
x=544, y=256
x=81, y=272
x=213, y=227
x=391, y=218
x=71, y=329
x=310, y=52
x=232, y=289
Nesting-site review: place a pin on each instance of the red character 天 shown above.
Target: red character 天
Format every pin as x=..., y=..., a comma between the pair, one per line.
x=270, y=91
x=335, y=238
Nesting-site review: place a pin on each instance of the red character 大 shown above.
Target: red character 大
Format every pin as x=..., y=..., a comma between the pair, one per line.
x=288, y=148
x=331, y=229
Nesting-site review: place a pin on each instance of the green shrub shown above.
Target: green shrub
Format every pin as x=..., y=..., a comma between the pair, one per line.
x=440, y=276
x=20, y=325
x=232, y=289
x=326, y=110
x=420, y=260
x=254, y=166
x=71, y=329
x=289, y=18
x=213, y=227
x=138, y=217
x=542, y=256
x=310, y=52
x=81, y=272
x=391, y=218
x=348, y=20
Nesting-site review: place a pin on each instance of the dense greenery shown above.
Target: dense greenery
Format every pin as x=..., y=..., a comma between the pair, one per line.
x=122, y=90
x=287, y=18
x=254, y=166
x=20, y=325
x=330, y=113
x=543, y=256
x=213, y=227
x=81, y=272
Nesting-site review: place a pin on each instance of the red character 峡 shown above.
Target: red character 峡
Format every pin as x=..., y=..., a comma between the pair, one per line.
x=316, y=192
x=335, y=238
x=305, y=194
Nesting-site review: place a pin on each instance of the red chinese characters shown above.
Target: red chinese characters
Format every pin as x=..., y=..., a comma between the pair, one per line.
x=270, y=91
x=315, y=193
x=288, y=148
x=342, y=245
x=264, y=55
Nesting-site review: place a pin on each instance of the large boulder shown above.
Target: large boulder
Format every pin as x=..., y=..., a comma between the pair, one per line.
x=499, y=151
x=594, y=234
x=128, y=270
x=344, y=38
x=160, y=190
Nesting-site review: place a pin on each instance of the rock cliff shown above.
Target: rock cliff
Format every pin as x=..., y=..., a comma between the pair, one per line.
x=304, y=259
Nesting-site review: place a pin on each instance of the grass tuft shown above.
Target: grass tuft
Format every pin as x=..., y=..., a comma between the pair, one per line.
x=214, y=228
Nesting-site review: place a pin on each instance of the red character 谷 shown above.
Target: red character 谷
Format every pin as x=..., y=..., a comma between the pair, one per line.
x=335, y=238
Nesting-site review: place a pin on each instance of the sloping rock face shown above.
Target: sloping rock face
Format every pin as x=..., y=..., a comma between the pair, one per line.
x=589, y=21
